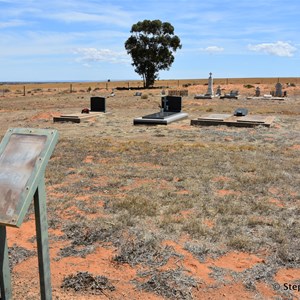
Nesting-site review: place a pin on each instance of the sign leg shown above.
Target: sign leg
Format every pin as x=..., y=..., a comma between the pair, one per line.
x=5, y=281
x=42, y=241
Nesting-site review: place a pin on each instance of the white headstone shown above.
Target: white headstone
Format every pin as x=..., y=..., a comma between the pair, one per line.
x=210, y=91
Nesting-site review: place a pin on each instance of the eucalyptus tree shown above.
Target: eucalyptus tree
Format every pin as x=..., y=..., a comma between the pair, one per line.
x=151, y=46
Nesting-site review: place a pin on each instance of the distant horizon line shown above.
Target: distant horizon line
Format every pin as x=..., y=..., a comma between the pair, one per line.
x=130, y=80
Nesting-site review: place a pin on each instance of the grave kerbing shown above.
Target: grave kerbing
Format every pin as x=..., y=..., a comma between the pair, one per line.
x=170, y=112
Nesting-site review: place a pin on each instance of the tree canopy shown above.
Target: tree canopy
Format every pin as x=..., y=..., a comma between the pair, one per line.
x=151, y=46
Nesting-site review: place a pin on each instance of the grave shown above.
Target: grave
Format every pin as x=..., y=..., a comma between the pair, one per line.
x=76, y=118
x=219, y=91
x=239, y=118
x=232, y=95
x=170, y=112
x=278, y=90
x=274, y=95
x=257, y=92
x=201, y=96
x=209, y=93
x=98, y=106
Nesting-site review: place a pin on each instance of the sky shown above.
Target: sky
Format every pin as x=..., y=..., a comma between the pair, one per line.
x=72, y=40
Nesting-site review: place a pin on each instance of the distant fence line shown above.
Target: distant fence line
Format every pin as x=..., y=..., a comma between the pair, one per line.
x=170, y=84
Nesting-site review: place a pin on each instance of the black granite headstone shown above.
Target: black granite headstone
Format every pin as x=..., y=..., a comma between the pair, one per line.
x=171, y=103
x=98, y=104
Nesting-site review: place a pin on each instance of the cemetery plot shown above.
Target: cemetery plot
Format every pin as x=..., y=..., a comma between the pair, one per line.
x=266, y=97
x=97, y=108
x=170, y=112
x=231, y=95
x=232, y=120
x=160, y=118
x=210, y=92
x=257, y=119
x=76, y=118
x=215, y=117
x=278, y=94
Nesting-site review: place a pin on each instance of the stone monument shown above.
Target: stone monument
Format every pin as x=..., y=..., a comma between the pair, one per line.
x=219, y=91
x=210, y=91
x=278, y=89
x=257, y=92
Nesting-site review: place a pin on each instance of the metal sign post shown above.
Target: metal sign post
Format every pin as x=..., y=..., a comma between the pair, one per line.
x=42, y=240
x=24, y=154
x=4, y=266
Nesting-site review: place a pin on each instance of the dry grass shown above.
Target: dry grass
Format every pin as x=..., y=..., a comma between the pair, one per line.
x=86, y=282
x=253, y=168
x=171, y=284
x=144, y=185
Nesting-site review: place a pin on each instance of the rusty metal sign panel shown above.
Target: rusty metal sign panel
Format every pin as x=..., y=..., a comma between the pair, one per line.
x=24, y=154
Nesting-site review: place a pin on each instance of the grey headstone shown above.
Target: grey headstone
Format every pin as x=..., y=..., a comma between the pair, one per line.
x=278, y=91
x=241, y=112
x=257, y=92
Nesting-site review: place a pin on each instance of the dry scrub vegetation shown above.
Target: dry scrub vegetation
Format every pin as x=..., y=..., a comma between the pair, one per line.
x=158, y=196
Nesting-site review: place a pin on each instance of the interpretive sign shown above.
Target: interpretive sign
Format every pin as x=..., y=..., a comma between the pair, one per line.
x=24, y=154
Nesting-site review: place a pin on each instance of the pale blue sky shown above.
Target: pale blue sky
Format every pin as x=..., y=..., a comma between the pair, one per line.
x=84, y=40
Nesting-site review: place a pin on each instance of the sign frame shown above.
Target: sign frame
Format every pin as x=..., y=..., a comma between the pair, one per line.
x=36, y=174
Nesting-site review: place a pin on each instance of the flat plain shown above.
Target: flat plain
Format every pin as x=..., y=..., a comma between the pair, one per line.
x=168, y=211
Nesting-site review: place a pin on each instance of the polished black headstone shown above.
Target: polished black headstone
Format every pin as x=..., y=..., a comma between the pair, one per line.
x=171, y=103
x=241, y=112
x=98, y=104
